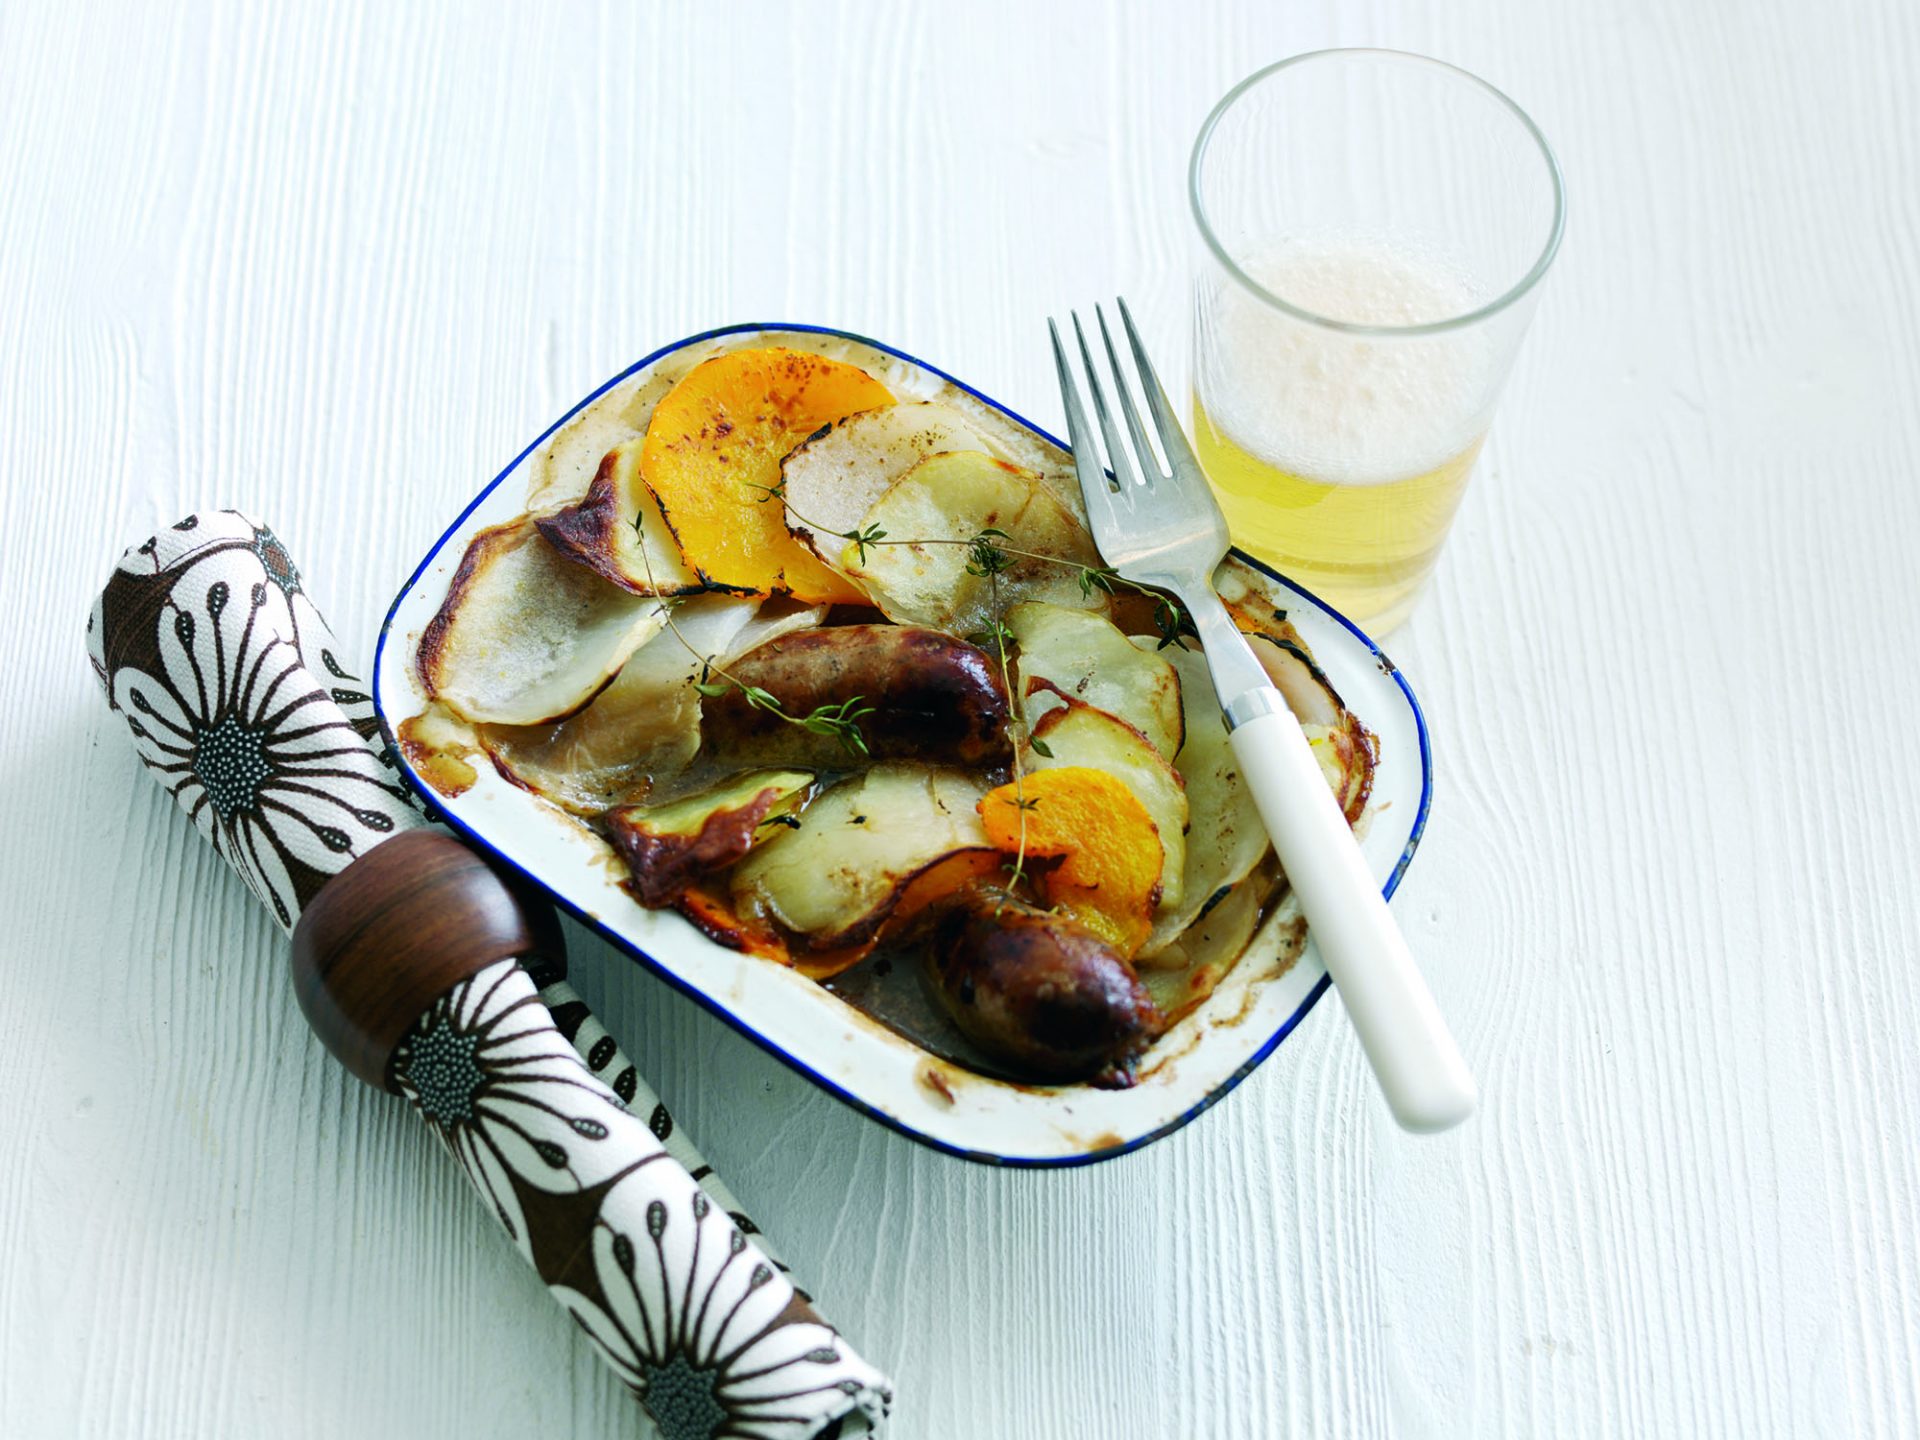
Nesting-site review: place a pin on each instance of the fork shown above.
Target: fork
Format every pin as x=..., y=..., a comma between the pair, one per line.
x=1164, y=528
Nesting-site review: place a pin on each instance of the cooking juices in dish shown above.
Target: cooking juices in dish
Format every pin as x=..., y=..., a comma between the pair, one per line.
x=841, y=679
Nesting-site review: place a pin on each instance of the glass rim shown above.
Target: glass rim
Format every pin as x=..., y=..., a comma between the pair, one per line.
x=1493, y=307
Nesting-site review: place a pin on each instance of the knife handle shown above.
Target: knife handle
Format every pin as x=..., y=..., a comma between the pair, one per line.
x=408, y=966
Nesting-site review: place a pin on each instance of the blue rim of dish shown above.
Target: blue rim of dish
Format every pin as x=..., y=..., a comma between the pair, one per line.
x=620, y=942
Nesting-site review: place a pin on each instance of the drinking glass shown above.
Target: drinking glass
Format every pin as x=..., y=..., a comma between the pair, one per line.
x=1372, y=231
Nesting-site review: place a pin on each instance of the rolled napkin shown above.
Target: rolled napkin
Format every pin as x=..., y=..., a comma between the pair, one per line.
x=428, y=975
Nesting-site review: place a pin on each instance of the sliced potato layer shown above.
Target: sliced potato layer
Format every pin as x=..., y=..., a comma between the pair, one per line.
x=1186, y=973
x=1344, y=747
x=617, y=532
x=930, y=576
x=1077, y=734
x=643, y=726
x=565, y=467
x=669, y=847
x=524, y=637
x=834, y=881
x=1225, y=836
x=712, y=460
x=832, y=479
x=1083, y=655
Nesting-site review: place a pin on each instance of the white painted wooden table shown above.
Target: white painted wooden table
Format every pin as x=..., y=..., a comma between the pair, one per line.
x=338, y=262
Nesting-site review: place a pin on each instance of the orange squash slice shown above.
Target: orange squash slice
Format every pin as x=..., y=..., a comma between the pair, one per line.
x=712, y=457
x=1107, y=846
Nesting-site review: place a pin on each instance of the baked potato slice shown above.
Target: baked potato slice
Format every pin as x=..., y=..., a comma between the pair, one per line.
x=668, y=848
x=834, y=880
x=929, y=574
x=564, y=468
x=616, y=530
x=1188, y=971
x=646, y=724
x=1344, y=747
x=1225, y=836
x=1081, y=654
x=526, y=638
x=836, y=474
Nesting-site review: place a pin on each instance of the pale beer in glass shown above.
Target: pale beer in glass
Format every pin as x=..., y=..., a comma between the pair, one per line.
x=1372, y=229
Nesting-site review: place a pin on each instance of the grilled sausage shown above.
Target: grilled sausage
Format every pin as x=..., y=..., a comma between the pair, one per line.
x=933, y=698
x=1043, y=995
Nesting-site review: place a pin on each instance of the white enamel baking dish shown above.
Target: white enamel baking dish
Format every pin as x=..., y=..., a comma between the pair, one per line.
x=841, y=1049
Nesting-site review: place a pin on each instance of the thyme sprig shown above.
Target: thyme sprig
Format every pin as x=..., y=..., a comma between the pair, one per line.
x=1016, y=722
x=988, y=556
x=839, y=721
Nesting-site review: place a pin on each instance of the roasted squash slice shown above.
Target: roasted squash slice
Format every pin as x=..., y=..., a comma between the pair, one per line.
x=1106, y=846
x=712, y=461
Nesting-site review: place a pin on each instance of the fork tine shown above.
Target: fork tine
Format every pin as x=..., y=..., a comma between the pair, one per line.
x=1142, y=447
x=1181, y=461
x=1094, y=487
x=1123, y=471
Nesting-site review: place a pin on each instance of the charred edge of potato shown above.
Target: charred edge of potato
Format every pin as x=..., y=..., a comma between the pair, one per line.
x=587, y=532
x=716, y=917
x=1272, y=625
x=1042, y=994
x=1364, y=744
x=661, y=866
x=433, y=638
x=920, y=902
x=584, y=530
x=869, y=927
x=506, y=772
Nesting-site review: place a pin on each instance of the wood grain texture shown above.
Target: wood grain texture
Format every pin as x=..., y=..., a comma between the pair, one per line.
x=338, y=263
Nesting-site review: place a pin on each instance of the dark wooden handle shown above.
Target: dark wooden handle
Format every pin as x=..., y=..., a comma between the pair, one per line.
x=399, y=928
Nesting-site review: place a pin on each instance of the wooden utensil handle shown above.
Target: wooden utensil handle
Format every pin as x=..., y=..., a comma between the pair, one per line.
x=395, y=931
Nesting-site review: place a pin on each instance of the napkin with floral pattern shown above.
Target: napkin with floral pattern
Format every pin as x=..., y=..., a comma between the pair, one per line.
x=238, y=700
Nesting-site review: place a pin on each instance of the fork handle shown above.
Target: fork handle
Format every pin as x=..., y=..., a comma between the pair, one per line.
x=1421, y=1070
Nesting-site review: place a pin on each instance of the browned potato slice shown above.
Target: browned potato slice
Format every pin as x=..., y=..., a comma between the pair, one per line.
x=1084, y=655
x=524, y=637
x=669, y=847
x=617, y=532
x=1344, y=747
x=1188, y=971
x=832, y=477
x=1225, y=837
x=833, y=881
x=932, y=511
x=565, y=466
x=646, y=724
